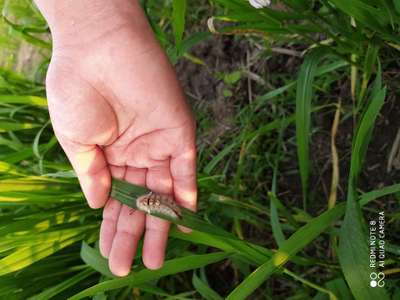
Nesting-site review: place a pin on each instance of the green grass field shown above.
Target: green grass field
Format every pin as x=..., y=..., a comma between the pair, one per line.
x=297, y=114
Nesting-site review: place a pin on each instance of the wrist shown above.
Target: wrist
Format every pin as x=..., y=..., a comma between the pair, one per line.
x=74, y=22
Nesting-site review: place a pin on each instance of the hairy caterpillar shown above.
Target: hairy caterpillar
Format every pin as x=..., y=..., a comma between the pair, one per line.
x=159, y=203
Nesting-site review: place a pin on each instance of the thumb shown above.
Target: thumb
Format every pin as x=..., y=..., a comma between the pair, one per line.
x=92, y=170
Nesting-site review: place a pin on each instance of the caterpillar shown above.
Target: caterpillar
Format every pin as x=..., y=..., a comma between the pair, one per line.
x=159, y=203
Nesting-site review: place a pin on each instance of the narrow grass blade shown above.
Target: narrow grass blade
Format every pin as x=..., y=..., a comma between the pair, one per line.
x=24, y=100
x=93, y=258
x=178, y=20
x=339, y=287
x=55, y=290
x=369, y=63
x=304, y=97
x=353, y=248
x=170, y=267
x=277, y=231
x=397, y=5
x=11, y=126
x=204, y=289
x=375, y=194
x=36, y=141
x=354, y=254
x=315, y=286
x=26, y=35
x=123, y=187
x=214, y=162
x=127, y=193
x=283, y=210
x=363, y=135
x=193, y=40
x=256, y=254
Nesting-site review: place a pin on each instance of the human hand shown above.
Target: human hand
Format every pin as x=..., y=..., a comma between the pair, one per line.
x=118, y=111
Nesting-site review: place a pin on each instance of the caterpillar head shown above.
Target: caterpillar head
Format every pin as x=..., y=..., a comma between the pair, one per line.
x=143, y=203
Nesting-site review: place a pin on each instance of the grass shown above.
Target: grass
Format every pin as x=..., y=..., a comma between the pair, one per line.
x=267, y=227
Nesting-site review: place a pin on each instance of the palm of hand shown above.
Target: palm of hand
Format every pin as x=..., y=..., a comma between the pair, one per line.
x=113, y=120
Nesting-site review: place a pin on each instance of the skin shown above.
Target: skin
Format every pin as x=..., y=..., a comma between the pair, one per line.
x=118, y=110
